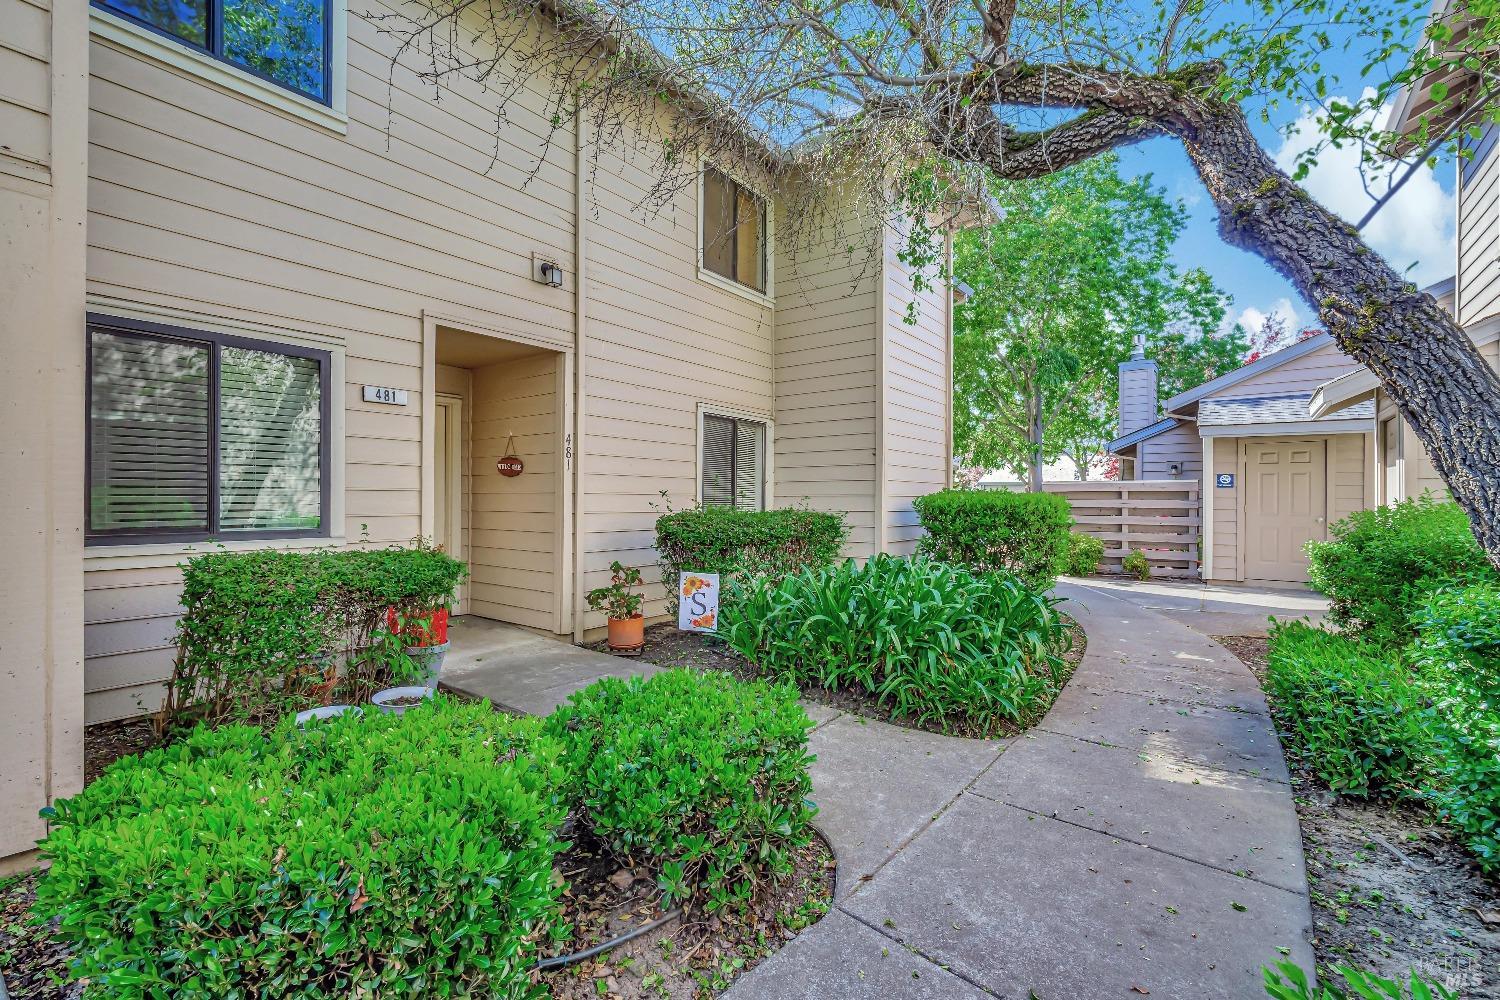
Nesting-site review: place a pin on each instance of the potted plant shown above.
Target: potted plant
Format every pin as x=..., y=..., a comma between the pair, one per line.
x=424, y=635
x=622, y=607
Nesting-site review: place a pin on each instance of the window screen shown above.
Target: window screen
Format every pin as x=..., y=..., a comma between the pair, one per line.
x=196, y=438
x=734, y=231
x=734, y=463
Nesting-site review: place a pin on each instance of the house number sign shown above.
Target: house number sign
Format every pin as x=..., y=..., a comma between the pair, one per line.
x=383, y=394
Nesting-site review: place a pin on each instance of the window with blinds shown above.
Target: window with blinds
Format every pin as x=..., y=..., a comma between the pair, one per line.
x=734, y=462
x=195, y=435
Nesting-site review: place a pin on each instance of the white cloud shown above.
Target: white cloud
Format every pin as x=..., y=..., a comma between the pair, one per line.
x=1253, y=319
x=1416, y=227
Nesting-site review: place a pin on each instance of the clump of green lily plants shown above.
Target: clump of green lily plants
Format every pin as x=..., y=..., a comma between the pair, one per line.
x=939, y=645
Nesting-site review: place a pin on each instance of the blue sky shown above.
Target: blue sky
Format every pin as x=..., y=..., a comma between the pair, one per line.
x=1416, y=227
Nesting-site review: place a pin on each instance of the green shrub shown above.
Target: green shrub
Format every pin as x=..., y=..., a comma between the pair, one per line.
x=1025, y=534
x=1288, y=982
x=1083, y=556
x=1378, y=565
x=935, y=643
x=699, y=774
x=745, y=542
x=364, y=856
x=1135, y=564
x=270, y=632
x=1459, y=645
x=1354, y=713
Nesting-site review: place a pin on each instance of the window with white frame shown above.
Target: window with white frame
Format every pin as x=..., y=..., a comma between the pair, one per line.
x=733, y=465
x=287, y=42
x=733, y=230
x=195, y=435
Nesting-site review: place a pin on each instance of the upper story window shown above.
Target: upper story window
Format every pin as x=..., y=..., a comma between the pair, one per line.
x=195, y=435
x=734, y=462
x=284, y=41
x=734, y=230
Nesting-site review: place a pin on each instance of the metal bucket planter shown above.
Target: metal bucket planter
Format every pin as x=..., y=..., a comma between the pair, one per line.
x=396, y=700
x=325, y=712
x=430, y=661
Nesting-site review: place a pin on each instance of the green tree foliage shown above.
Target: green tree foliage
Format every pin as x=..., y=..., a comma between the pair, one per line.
x=1079, y=266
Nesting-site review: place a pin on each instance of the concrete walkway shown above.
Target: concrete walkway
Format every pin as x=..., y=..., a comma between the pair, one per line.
x=1215, y=609
x=1141, y=840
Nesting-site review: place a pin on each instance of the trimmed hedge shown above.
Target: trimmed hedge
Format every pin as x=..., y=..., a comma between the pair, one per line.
x=703, y=775
x=1084, y=554
x=1358, y=714
x=932, y=642
x=368, y=855
x=1379, y=565
x=270, y=632
x=1025, y=534
x=735, y=543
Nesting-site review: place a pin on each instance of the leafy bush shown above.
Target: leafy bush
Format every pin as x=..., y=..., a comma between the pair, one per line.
x=1135, y=564
x=935, y=643
x=1288, y=982
x=1459, y=644
x=1025, y=534
x=1083, y=556
x=1378, y=565
x=702, y=774
x=270, y=632
x=1357, y=715
x=745, y=542
x=364, y=856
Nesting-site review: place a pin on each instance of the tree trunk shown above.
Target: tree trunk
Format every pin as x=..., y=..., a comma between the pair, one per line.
x=1426, y=363
x=1036, y=441
x=1423, y=359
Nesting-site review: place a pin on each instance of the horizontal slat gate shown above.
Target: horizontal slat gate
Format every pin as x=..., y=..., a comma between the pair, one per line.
x=1159, y=517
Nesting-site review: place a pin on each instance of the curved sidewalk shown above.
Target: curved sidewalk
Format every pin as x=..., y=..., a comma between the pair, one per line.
x=1141, y=840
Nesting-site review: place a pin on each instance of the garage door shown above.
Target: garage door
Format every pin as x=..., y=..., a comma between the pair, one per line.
x=1286, y=506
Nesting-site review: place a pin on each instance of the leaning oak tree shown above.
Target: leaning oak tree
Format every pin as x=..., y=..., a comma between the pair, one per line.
x=840, y=91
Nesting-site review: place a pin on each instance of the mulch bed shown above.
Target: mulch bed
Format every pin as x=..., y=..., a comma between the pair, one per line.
x=697, y=955
x=668, y=647
x=1391, y=890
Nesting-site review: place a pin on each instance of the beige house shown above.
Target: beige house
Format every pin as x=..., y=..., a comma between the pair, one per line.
x=1305, y=436
x=261, y=298
x=1270, y=476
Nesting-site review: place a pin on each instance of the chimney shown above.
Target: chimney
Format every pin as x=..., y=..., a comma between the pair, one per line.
x=1137, y=389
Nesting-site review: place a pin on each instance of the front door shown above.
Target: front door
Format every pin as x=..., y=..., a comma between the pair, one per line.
x=1286, y=506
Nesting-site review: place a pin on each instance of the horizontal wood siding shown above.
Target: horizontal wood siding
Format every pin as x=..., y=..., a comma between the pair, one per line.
x=1346, y=474
x=1300, y=375
x=1181, y=445
x=826, y=371
x=26, y=94
x=916, y=379
x=1479, y=235
x=513, y=573
x=1225, y=507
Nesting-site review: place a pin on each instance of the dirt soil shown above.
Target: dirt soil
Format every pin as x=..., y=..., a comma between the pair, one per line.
x=697, y=955
x=1391, y=890
x=668, y=647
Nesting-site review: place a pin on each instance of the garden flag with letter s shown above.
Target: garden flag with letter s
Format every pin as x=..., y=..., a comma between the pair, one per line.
x=698, y=602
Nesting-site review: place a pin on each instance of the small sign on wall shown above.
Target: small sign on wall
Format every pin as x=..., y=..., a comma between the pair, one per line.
x=1224, y=480
x=384, y=394
x=698, y=602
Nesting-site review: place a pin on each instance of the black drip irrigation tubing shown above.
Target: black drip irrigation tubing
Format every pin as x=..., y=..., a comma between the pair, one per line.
x=558, y=961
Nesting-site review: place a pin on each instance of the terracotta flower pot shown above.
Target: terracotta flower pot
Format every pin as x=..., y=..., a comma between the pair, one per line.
x=627, y=633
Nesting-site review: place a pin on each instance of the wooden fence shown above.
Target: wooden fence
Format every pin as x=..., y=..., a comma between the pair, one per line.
x=1159, y=517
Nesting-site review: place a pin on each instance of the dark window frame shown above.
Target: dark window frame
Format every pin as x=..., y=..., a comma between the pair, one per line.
x=734, y=457
x=216, y=342
x=735, y=188
x=213, y=29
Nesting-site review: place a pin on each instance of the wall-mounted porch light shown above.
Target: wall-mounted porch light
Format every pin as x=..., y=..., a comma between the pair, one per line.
x=551, y=274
